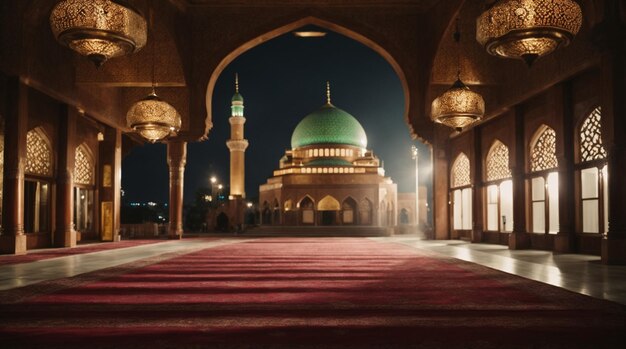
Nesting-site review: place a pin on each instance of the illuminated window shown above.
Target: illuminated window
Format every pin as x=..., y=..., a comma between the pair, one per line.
x=83, y=166
x=499, y=203
x=460, y=171
x=545, y=187
x=593, y=175
x=38, y=154
x=498, y=162
x=462, y=198
x=332, y=152
x=343, y=152
x=326, y=152
x=315, y=152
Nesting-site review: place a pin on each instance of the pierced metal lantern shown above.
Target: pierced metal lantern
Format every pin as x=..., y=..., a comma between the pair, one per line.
x=458, y=107
x=153, y=118
x=528, y=29
x=98, y=29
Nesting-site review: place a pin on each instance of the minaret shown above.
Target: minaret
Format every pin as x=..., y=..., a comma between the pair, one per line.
x=237, y=144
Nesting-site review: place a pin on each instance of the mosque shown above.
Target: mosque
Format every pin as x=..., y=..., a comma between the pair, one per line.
x=329, y=177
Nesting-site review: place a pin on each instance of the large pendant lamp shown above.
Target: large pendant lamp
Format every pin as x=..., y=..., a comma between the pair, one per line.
x=98, y=29
x=458, y=107
x=153, y=118
x=528, y=29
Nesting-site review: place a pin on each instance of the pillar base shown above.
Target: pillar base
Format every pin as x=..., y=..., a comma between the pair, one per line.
x=519, y=241
x=614, y=251
x=562, y=243
x=477, y=236
x=65, y=239
x=13, y=244
x=175, y=237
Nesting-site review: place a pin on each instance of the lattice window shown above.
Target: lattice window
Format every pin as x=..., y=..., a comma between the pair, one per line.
x=461, y=171
x=83, y=167
x=498, y=162
x=38, y=154
x=591, y=137
x=543, y=151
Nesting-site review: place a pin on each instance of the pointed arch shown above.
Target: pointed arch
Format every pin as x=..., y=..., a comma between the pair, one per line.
x=460, y=173
x=84, y=166
x=306, y=201
x=328, y=203
x=348, y=210
x=497, y=162
x=365, y=211
x=39, y=155
x=308, y=20
x=590, y=136
x=543, y=149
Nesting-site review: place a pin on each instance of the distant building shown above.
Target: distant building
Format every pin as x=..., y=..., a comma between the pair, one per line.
x=329, y=177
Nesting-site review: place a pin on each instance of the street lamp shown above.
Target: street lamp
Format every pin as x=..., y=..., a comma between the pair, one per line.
x=213, y=180
x=415, y=156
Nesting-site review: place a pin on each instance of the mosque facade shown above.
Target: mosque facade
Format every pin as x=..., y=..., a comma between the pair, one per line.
x=329, y=177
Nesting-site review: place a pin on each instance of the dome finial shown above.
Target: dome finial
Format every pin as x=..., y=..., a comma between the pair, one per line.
x=327, y=92
x=236, y=83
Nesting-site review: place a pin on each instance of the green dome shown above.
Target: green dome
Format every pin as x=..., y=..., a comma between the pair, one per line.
x=237, y=98
x=329, y=125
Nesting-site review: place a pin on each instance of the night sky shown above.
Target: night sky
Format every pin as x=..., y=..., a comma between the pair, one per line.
x=282, y=81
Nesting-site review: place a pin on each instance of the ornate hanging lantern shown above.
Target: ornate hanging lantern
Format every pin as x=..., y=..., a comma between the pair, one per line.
x=153, y=118
x=98, y=29
x=459, y=106
x=528, y=29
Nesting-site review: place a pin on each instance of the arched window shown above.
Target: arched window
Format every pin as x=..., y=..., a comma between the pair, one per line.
x=38, y=153
x=499, y=191
x=348, y=208
x=365, y=212
x=545, y=182
x=593, y=175
x=37, y=189
x=461, y=193
x=83, y=166
x=84, y=180
x=307, y=209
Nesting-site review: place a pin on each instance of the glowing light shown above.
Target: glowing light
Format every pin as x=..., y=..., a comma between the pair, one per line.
x=309, y=34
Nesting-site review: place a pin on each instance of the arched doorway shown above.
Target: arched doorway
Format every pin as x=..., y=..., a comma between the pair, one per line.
x=348, y=211
x=222, y=222
x=329, y=208
x=307, y=209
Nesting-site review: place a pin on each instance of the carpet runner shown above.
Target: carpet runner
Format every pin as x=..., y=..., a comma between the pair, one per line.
x=305, y=293
x=38, y=255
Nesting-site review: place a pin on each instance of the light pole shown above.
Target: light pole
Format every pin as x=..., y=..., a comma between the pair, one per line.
x=415, y=156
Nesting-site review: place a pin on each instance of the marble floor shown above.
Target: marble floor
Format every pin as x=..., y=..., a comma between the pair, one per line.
x=578, y=273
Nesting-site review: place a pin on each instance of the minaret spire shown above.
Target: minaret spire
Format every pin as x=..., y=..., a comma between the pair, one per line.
x=237, y=144
x=328, y=92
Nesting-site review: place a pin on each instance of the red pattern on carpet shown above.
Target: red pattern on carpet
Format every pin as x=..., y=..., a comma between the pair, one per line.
x=313, y=293
x=38, y=255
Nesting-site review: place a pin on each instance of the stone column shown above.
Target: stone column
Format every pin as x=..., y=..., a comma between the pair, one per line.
x=110, y=169
x=441, y=184
x=519, y=238
x=611, y=39
x=477, y=187
x=176, y=160
x=64, y=233
x=13, y=239
x=565, y=237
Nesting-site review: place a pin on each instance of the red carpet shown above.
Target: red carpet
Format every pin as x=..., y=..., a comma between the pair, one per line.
x=306, y=293
x=37, y=255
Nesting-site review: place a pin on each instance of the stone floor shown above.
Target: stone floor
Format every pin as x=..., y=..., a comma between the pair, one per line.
x=578, y=273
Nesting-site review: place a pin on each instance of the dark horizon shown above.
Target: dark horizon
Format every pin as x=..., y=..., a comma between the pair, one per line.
x=282, y=81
